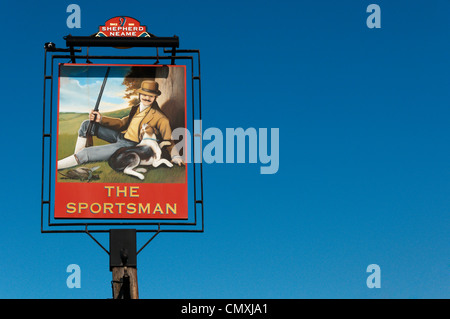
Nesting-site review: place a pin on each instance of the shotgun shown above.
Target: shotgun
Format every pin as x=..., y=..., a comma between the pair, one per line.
x=89, y=139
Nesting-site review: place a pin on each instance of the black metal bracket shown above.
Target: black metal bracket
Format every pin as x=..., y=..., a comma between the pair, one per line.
x=127, y=42
x=51, y=47
x=101, y=246
x=124, y=282
x=121, y=42
x=122, y=245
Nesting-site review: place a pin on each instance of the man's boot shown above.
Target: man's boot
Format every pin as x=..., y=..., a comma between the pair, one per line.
x=67, y=162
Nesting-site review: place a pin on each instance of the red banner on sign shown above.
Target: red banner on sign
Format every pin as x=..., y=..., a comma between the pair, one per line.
x=121, y=201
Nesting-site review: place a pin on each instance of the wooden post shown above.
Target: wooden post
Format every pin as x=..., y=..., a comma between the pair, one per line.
x=125, y=284
x=123, y=263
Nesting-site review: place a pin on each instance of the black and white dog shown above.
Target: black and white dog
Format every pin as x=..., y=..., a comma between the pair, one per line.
x=146, y=153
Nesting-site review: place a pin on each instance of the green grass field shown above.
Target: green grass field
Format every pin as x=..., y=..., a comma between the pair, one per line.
x=69, y=124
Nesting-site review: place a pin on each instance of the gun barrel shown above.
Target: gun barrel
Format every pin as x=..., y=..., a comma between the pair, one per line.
x=89, y=141
x=101, y=90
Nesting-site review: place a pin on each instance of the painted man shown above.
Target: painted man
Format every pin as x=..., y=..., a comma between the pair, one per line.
x=125, y=132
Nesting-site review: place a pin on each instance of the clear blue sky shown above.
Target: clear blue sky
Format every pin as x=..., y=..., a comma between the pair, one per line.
x=364, y=128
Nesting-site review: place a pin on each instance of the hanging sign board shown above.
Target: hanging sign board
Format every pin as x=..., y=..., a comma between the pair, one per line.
x=122, y=162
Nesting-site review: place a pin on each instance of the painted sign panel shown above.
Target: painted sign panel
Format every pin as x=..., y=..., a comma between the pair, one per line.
x=116, y=156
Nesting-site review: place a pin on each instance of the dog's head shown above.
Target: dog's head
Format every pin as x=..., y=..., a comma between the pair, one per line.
x=147, y=136
x=147, y=132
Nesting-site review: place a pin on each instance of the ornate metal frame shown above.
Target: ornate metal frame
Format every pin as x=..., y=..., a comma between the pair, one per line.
x=195, y=222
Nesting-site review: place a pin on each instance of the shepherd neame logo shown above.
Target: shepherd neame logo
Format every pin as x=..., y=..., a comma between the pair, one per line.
x=122, y=27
